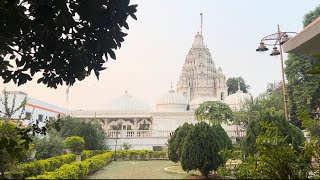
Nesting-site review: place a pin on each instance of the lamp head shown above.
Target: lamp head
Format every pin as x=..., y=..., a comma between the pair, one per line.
x=261, y=47
x=284, y=39
x=275, y=52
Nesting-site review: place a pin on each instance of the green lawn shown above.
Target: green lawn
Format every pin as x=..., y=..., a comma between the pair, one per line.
x=137, y=170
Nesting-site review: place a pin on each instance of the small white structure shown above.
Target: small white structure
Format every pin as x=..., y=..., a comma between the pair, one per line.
x=127, y=119
x=236, y=100
x=34, y=109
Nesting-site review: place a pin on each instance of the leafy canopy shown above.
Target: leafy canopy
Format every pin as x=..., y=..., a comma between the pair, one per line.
x=214, y=111
x=202, y=146
x=61, y=39
x=75, y=144
x=176, y=141
x=233, y=82
x=49, y=146
x=275, y=158
x=92, y=132
x=292, y=133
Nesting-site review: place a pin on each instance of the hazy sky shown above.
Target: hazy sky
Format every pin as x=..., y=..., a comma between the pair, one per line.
x=153, y=53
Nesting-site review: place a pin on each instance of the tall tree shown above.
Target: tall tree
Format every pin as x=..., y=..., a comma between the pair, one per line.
x=233, y=83
x=91, y=132
x=49, y=146
x=202, y=146
x=293, y=134
x=303, y=88
x=61, y=39
x=275, y=158
x=311, y=16
x=176, y=141
x=213, y=111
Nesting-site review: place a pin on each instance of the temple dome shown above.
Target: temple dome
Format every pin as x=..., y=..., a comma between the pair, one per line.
x=127, y=104
x=237, y=99
x=172, y=101
x=195, y=103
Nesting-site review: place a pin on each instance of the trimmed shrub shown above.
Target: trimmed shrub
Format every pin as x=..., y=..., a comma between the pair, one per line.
x=85, y=154
x=78, y=170
x=75, y=144
x=202, y=146
x=41, y=166
x=140, y=154
x=176, y=141
x=133, y=154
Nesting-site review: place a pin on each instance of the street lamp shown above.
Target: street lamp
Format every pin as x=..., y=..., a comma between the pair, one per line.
x=277, y=39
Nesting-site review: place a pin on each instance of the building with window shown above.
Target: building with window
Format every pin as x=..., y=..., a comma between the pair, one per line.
x=130, y=120
x=34, y=109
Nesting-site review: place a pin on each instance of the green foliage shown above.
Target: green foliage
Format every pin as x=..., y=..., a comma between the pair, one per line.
x=247, y=112
x=311, y=16
x=12, y=145
x=126, y=146
x=303, y=88
x=8, y=111
x=85, y=154
x=233, y=82
x=63, y=40
x=75, y=144
x=176, y=141
x=214, y=111
x=312, y=148
x=310, y=124
x=274, y=158
x=51, y=145
x=201, y=148
x=35, y=168
x=78, y=170
x=92, y=132
x=140, y=154
x=292, y=133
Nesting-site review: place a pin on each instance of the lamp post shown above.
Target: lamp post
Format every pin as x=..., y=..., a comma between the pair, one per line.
x=277, y=39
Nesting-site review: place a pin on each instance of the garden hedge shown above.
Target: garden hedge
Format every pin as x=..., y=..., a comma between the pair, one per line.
x=85, y=154
x=141, y=154
x=35, y=168
x=64, y=167
x=78, y=170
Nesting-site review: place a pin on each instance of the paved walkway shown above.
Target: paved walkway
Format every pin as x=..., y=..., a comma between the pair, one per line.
x=137, y=170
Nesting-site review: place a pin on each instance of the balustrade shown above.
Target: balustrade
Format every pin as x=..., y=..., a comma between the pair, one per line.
x=157, y=133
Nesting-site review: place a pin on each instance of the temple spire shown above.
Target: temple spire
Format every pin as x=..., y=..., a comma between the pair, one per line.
x=239, y=87
x=171, y=90
x=201, y=19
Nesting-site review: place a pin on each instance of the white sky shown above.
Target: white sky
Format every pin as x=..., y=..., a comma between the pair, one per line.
x=153, y=53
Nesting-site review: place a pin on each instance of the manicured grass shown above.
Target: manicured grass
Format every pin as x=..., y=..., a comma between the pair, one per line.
x=137, y=170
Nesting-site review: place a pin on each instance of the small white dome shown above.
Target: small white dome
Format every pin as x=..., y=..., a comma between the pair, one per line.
x=195, y=103
x=127, y=104
x=237, y=99
x=172, y=101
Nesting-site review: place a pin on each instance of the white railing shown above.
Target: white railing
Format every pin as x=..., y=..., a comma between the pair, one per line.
x=234, y=133
x=156, y=133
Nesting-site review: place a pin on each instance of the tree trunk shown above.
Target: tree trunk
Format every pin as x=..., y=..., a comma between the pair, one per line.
x=2, y=170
